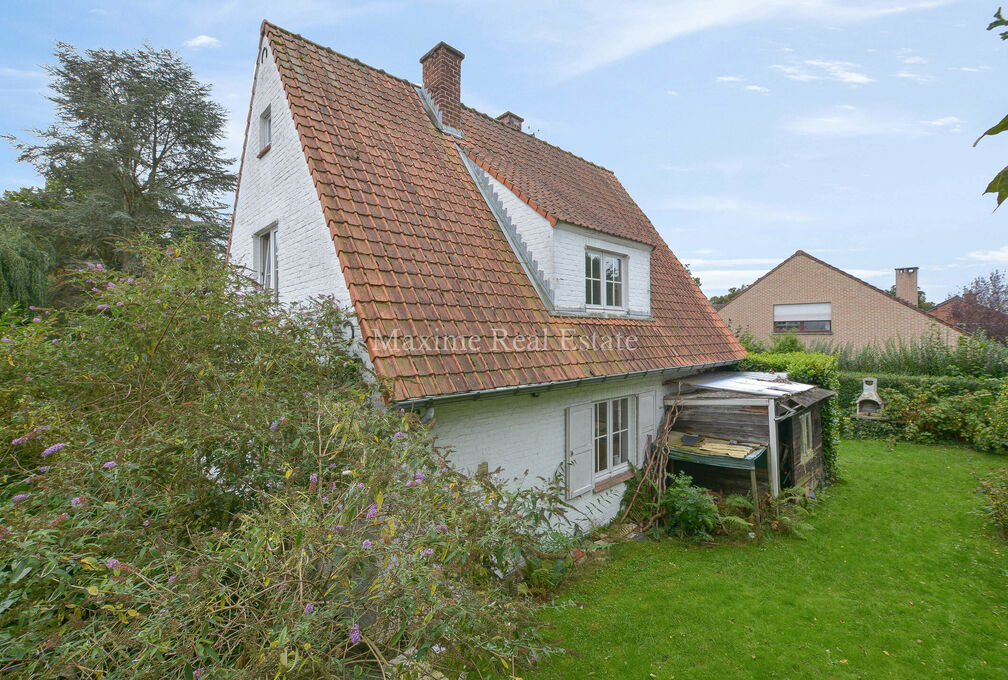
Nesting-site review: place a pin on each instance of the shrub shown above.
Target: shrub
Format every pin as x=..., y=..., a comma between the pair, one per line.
x=689, y=509
x=930, y=414
x=194, y=482
x=816, y=369
x=995, y=491
x=850, y=385
x=787, y=343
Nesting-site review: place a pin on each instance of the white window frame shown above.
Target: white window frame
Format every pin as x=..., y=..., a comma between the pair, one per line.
x=265, y=130
x=603, y=436
x=605, y=301
x=813, y=318
x=265, y=245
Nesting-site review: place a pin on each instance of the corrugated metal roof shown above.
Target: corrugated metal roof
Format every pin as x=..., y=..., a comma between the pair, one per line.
x=749, y=382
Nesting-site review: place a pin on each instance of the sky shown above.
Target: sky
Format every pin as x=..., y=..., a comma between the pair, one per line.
x=745, y=129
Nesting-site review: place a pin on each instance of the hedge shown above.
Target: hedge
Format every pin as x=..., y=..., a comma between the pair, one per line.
x=817, y=369
x=850, y=385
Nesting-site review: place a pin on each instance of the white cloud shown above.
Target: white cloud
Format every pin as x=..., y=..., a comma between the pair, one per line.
x=727, y=79
x=672, y=93
x=201, y=41
x=970, y=69
x=951, y=122
x=999, y=256
x=736, y=262
x=758, y=88
x=913, y=60
x=916, y=77
x=607, y=32
x=850, y=121
x=822, y=69
x=729, y=205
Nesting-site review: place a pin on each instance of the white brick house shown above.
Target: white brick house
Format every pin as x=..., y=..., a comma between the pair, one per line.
x=511, y=291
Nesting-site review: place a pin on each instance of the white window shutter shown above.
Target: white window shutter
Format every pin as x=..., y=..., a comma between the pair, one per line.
x=578, y=459
x=645, y=423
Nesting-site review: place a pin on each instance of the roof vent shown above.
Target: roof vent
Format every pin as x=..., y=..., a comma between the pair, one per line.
x=442, y=78
x=512, y=120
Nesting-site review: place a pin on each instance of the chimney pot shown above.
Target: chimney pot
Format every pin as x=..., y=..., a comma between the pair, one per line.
x=512, y=120
x=442, y=78
x=906, y=285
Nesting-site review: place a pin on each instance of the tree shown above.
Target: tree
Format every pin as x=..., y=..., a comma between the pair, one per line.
x=999, y=185
x=134, y=150
x=990, y=291
x=724, y=299
x=922, y=300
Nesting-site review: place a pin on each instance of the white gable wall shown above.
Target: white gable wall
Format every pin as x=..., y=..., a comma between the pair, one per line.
x=533, y=228
x=570, y=242
x=278, y=188
x=519, y=433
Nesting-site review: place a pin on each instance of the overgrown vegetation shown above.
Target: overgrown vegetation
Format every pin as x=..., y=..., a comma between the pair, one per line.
x=194, y=484
x=995, y=490
x=814, y=369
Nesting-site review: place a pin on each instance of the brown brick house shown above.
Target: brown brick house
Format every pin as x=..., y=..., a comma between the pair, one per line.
x=817, y=301
x=971, y=317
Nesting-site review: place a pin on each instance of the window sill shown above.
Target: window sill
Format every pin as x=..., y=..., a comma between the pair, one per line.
x=612, y=481
x=264, y=150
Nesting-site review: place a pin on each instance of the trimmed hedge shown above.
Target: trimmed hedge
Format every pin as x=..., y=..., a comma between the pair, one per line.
x=817, y=369
x=850, y=385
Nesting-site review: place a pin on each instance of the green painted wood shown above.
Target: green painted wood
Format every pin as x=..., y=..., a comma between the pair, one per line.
x=747, y=463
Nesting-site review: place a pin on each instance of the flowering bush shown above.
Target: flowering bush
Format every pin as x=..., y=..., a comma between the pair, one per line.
x=195, y=484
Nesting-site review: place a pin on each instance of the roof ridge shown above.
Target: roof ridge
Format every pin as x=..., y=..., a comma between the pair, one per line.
x=540, y=139
x=326, y=48
x=848, y=275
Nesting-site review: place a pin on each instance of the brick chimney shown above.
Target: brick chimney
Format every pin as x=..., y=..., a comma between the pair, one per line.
x=512, y=120
x=906, y=285
x=442, y=78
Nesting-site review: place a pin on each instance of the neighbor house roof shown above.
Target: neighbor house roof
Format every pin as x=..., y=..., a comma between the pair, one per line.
x=970, y=316
x=422, y=253
x=802, y=253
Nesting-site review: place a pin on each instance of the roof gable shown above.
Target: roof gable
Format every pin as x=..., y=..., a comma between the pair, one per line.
x=424, y=258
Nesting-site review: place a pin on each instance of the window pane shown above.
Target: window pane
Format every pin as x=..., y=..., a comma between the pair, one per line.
x=816, y=325
x=617, y=295
x=596, y=267
x=588, y=265
x=596, y=292
x=601, y=438
x=785, y=326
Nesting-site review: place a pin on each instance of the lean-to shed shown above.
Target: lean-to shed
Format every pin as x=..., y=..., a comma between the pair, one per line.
x=733, y=430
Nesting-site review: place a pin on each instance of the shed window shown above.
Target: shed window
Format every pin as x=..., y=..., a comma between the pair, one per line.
x=605, y=280
x=265, y=130
x=611, y=432
x=803, y=318
x=266, y=259
x=805, y=434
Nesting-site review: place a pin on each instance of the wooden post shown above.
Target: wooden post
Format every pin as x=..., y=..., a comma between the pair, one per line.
x=773, y=465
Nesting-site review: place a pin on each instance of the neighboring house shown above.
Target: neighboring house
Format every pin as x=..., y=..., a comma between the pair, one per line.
x=819, y=302
x=508, y=289
x=971, y=317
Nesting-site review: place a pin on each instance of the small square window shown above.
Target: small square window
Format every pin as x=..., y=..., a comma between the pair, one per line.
x=605, y=280
x=265, y=130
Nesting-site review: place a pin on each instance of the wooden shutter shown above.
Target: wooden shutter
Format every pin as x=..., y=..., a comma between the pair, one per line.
x=578, y=458
x=645, y=423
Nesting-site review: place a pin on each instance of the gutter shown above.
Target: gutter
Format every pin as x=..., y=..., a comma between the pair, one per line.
x=428, y=402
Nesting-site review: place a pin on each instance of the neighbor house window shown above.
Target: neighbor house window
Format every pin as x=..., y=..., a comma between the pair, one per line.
x=265, y=130
x=611, y=431
x=266, y=258
x=816, y=317
x=605, y=280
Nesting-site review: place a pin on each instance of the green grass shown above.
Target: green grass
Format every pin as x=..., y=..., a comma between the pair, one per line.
x=900, y=578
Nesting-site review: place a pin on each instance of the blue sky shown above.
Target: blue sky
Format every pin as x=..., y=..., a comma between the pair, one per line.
x=745, y=129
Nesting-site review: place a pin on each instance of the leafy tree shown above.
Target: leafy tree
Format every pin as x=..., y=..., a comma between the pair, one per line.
x=990, y=290
x=922, y=300
x=999, y=185
x=724, y=299
x=134, y=150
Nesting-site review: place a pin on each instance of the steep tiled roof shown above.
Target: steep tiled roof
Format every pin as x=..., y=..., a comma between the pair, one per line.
x=423, y=255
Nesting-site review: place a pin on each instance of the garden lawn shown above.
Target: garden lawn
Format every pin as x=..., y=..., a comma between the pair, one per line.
x=899, y=578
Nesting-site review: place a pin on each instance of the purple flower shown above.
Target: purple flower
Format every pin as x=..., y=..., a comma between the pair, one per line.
x=101, y=307
x=355, y=636
x=419, y=477
x=372, y=512
x=36, y=320
x=113, y=563
x=399, y=435
x=129, y=280
x=99, y=267
x=171, y=579
x=427, y=552
x=534, y=657
x=20, y=440
x=157, y=301
x=6, y=340
x=313, y=478
x=332, y=466
x=365, y=544
x=94, y=290
x=176, y=259
x=309, y=608
x=55, y=448
x=45, y=468
x=273, y=425
x=109, y=285
x=443, y=528
x=21, y=496
x=75, y=501
x=198, y=673
x=339, y=527
x=119, y=304
x=108, y=465
x=359, y=485
x=146, y=522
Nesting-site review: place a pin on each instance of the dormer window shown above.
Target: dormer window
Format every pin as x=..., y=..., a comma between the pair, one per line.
x=605, y=280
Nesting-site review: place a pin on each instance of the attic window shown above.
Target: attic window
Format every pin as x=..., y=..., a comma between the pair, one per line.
x=265, y=131
x=605, y=280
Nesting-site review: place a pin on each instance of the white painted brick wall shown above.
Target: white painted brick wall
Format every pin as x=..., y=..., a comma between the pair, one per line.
x=570, y=242
x=278, y=187
x=534, y=229
x=519, y=433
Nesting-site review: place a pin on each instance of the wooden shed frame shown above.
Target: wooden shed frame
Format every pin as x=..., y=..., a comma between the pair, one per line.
x=739, y=405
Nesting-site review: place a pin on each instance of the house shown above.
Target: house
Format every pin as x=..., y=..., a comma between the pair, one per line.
x=971, y=317
x=821, y=303
x=509, y=290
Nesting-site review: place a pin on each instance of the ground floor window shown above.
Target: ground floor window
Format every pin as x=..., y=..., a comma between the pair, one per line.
x=611, y=432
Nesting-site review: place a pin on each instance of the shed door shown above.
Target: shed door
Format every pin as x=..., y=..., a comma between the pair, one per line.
x=578, y=460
